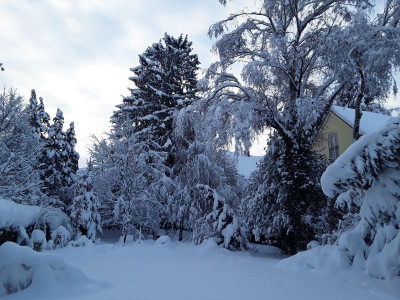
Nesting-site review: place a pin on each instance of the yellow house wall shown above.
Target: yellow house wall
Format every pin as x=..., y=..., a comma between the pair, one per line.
x=334, y=124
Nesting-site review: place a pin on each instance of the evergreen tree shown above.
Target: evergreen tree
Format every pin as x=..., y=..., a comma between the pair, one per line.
x=60, y=161
x=71, y=156
x=165, y=82
x=270, y=215
x=370, y=170
x=54, y=162
x=39, y=119
x=85, y=217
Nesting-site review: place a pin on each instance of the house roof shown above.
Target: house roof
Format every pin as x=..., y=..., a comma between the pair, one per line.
x=370, y=122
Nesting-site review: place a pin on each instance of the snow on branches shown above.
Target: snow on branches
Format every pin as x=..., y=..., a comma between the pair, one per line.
x=370, y=170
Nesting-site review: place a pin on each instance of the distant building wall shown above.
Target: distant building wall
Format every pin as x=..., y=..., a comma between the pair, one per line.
x=334, y=124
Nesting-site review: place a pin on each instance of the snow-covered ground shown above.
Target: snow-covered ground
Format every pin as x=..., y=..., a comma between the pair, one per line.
x=183, y=271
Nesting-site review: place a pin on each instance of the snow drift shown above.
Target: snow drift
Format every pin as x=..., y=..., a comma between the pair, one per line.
x=22, y=268
x=14, y=214
x=327, y=258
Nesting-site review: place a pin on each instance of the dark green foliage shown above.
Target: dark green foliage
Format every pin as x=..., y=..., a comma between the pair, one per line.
x=285, y=205
x=165, y=81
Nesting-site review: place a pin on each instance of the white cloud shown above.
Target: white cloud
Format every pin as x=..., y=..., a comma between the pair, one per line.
x=77, y=54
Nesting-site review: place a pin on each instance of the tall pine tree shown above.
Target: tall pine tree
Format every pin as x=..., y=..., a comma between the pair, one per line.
x=71, y=156
x=165, y=82
x=52, y=176
x=39, y=118
x=61, y=159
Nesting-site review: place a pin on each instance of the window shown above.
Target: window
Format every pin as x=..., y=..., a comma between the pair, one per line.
x=333, y=146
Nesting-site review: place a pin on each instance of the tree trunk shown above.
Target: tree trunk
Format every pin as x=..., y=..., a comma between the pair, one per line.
x=357, y=119
x=358, y=112
x=181, y=231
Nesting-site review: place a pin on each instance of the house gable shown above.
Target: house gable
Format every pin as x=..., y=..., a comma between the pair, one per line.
x=334, y=124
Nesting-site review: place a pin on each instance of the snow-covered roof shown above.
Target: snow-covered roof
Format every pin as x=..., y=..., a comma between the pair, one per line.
x=370, y=122
x=13, y=214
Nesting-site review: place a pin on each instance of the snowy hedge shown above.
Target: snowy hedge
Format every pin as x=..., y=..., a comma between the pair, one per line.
x=22, y=223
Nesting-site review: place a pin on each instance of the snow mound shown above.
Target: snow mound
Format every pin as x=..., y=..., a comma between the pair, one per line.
x=164, y=239
x=13, y=214
x=82, y=241
x=210, y=243
x=385, y=263
x=325, y=258
x=60, y=236
x=22, y=268
x=38, y=240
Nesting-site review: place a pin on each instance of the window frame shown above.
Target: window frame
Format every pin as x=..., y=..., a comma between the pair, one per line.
x=333, y=145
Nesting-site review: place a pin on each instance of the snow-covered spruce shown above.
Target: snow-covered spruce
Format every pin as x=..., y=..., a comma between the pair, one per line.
x=165, y=81
x=39, y=119
x=61, y=159
x=370, y=170
x=268, y=209
x=71, y=156
x=84, y=211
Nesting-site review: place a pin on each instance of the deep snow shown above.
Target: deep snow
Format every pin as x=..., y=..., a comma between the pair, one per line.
x=178, y=270
x=13, y=214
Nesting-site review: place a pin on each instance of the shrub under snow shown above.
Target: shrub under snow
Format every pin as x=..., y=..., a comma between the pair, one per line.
x=38, y=240
x=164, y=239
x=60, y=236
x=221, y=223
x=21, y=268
